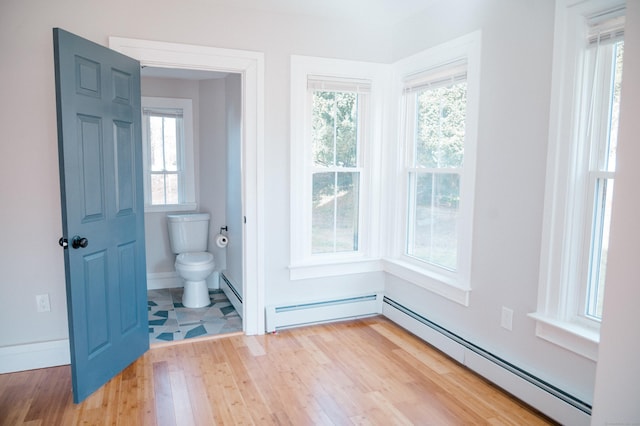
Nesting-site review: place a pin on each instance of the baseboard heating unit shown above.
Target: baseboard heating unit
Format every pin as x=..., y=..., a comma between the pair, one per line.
x=314, y=312
x=232, y=293
x=536, y=392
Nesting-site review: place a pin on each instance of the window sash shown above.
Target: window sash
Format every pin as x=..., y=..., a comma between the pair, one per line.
x=338, y=231
x=432, y=225
x=600, y=140
x=341, y=234
x=443, y=223
x=166, y=191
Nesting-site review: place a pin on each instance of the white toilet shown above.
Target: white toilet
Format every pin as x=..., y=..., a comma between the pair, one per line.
x=188, y=235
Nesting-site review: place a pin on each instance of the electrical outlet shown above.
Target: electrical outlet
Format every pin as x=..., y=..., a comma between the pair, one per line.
x=42, y=301
x=506, y=320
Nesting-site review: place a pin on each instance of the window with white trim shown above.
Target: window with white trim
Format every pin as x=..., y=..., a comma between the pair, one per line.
x=433, y=215
x=603, y=68
x=581, y=172
x=333, y=154
x=435, y=105
x=167, y=130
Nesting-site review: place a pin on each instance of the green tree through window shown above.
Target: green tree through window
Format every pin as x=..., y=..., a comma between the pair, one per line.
x=336, y=179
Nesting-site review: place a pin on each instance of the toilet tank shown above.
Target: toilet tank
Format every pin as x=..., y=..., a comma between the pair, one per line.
x=188, y=233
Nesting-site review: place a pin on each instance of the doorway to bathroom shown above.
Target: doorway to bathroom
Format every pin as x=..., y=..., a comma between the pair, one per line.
x=228, y=86
x=192, y=135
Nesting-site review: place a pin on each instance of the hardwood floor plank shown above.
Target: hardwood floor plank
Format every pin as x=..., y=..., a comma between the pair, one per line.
x=254, y=400
x=164, y=396
x=361, y=372
x=181, y=399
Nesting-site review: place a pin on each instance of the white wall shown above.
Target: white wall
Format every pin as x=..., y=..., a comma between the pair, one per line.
x=233, y=199
x=515, y=83
x=213, y=163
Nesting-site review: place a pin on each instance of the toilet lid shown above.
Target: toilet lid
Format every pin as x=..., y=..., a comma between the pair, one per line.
x=199, y=258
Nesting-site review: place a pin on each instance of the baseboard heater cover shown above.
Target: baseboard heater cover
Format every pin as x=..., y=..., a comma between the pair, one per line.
x=315, y=312
x=506, y=365
x=231, y=287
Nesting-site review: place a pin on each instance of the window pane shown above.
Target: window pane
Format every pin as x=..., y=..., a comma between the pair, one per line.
x=170, y=144
x=323, y=213
x=599, y=247
x=156, y=143
x=434, y=206
x=346, y=129
x=324, y=128
x=604, y=145
x=157, y=189
x=334, y=131
x=347, y=211
x=440, y=126
x=335, y=212
x=614, y=114
x=171, y=189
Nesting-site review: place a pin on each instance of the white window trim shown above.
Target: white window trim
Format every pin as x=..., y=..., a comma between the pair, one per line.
x=556, y=318
x=189, y=203
x=366, y=259
x=453, y=286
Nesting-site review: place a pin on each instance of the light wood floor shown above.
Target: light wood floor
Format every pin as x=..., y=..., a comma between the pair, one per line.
x=365, y=372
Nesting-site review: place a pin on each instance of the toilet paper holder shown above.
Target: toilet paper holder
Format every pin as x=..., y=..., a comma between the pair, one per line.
x=221, y=239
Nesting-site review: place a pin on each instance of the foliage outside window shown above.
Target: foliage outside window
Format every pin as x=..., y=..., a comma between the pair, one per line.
x=436, y=111
x=335, y=170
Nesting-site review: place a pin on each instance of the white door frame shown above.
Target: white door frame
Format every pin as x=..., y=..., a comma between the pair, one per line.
x=251, y=66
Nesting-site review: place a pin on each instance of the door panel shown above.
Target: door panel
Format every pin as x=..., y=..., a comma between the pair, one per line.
x=100, y=155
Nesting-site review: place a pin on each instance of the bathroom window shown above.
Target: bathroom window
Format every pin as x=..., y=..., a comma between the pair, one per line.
x=167, y=126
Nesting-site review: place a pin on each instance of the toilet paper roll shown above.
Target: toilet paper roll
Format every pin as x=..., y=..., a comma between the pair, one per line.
x=222, y=240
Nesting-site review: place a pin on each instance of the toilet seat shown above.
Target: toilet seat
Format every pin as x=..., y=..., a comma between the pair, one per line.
x=194, y=259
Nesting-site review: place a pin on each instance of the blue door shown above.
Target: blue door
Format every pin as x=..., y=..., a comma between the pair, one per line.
x=100, y=156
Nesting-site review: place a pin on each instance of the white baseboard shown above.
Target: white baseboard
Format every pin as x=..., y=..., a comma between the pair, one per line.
x=535, y=392
x=31, y=356
x=160, y=280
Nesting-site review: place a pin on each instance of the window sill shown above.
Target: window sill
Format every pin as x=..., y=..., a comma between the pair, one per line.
x=429, y=280
x=574, y=337
x=307, y=270
x=171, y=208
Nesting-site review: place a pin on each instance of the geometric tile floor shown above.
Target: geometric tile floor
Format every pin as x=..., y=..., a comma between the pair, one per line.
x=169, y=320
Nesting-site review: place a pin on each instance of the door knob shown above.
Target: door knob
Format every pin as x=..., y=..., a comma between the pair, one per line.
x=78, y=242
x=63, y=242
